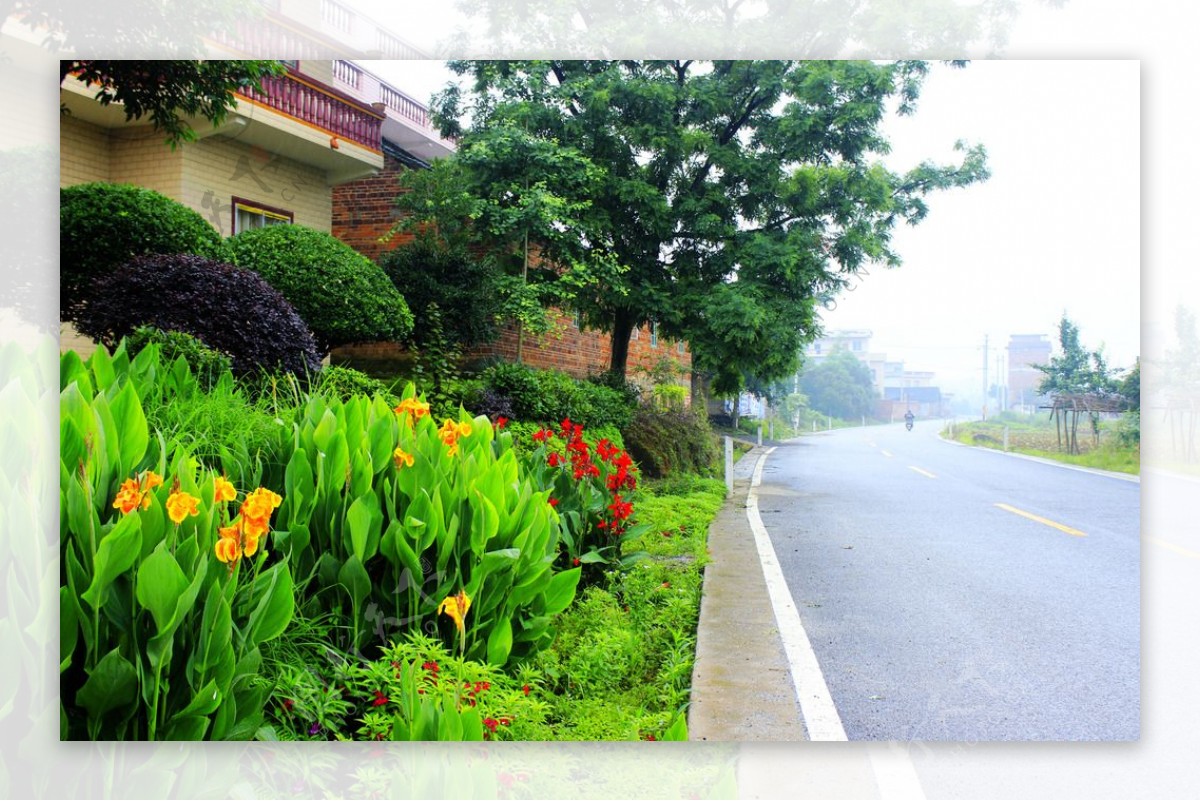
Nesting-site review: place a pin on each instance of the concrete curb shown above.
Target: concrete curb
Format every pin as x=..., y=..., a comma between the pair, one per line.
x=742, y=689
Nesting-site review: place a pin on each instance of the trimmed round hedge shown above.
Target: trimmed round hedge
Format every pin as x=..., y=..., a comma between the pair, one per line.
x=102, y=226
x=229, y=309
x=343, y=296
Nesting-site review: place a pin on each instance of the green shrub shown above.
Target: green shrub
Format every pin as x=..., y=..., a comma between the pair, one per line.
x=342, y=295
x=228, y=309
x=451, y=279
x=102, y=226
x=344, y=383
x=552, y=395
x=668, y=442
x=206, y=364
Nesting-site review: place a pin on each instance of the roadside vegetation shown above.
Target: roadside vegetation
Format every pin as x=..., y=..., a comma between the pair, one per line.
x=1115, y=447
x=321, y=557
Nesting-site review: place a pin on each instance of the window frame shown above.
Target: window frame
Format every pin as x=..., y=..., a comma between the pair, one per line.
x=282, y=216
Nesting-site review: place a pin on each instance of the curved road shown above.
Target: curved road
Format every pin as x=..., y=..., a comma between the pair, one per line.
x=952, y=593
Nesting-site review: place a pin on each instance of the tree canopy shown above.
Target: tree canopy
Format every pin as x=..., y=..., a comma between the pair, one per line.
x=840, y=386
x=1076, y=370
x=167, y=91
x=724, y=201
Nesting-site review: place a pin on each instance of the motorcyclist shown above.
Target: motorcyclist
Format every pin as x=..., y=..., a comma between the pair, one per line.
x=908, y=419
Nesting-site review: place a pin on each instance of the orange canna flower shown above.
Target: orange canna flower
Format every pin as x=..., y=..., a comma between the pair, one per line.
x=465, y=429
x=229, y=546
x=401, y=458
x=129, y=497
x=260, y=503
x=415, y=408
x=180, y=505
x=223, y=490
x=134, y=492
x=456, y=607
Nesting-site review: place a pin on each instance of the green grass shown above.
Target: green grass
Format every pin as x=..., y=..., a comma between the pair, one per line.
x=1036, y=436
x=621, y=666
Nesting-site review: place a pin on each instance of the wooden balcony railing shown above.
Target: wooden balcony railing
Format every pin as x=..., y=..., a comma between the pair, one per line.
x=326, y=108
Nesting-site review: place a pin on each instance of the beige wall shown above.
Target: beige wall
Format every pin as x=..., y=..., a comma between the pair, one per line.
x=83, y=152
x=217, y=170
x=140, y=156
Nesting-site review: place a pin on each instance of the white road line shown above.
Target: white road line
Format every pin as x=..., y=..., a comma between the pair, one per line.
x=887, y=454
x=895, y=774
x=820, y=715
x=925, y=473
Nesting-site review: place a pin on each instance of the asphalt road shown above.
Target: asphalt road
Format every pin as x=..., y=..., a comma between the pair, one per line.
x=938, y=608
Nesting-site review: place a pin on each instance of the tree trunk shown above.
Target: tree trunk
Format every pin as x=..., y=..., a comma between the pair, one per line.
x=623, y=324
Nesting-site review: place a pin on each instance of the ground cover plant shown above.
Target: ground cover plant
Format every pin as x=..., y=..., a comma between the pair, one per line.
x=334, y=566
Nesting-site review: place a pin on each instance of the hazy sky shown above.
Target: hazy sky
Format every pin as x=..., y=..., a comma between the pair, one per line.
x=1055, y=229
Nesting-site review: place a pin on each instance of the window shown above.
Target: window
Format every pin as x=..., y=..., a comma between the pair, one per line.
x=857, y=344
x=654, y=335
x=680, y=347
x=248, y=214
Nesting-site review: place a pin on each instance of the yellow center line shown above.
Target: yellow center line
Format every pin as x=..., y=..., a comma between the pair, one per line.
x=925, y=473
x=1170, y=546
x=887, y=454
x=1074, y=532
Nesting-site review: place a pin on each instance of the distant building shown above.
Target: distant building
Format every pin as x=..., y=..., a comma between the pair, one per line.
x=858, y=342
x=923, y=401
x=1024, y=351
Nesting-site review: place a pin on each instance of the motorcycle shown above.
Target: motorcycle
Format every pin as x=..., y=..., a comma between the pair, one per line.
x=908, y=423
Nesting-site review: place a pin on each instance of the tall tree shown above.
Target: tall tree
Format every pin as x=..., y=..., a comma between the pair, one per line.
x=167, y=92
x=1075, y=370
x=840, y=386
x=522, y=205
x=710, y=174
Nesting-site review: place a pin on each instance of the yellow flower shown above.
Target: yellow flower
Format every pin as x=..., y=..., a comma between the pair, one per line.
x=414, y=407
x=260, y=503
x=134, y=492
x=180, y=505
x=223, y=490
x=465, y=429
x=229, y=546
x=456, y=607
x=129, y=497
x=401, y=458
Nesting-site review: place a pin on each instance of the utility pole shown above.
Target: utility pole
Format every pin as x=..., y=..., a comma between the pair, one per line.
x=985, y=375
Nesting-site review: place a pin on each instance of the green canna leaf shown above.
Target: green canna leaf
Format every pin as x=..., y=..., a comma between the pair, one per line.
x=118, y=551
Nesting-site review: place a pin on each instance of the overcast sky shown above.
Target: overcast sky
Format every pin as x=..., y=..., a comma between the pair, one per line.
x=1055, y=229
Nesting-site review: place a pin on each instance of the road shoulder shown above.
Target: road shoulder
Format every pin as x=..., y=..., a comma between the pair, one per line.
x=741, y=685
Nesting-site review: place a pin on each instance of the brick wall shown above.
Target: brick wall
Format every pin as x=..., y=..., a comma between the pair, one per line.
x=364, y=210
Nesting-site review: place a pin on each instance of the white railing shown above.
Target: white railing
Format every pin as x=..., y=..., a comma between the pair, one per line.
x=347, y=73
x=336, y=14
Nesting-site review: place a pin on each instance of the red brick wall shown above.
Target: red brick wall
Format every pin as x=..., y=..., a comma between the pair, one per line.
x=363, y=211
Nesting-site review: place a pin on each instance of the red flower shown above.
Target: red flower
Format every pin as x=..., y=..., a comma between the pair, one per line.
x=501, y=422
x=380, y=699
x=491, y=724
x=288, y=703
x=525, y=689
x=542, y=435
x=554, y=460
x=432, y=667
x=574, y=563
x=553, y=501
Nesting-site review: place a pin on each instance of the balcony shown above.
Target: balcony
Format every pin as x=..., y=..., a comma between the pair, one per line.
x=322, y=107
x=407, y=122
